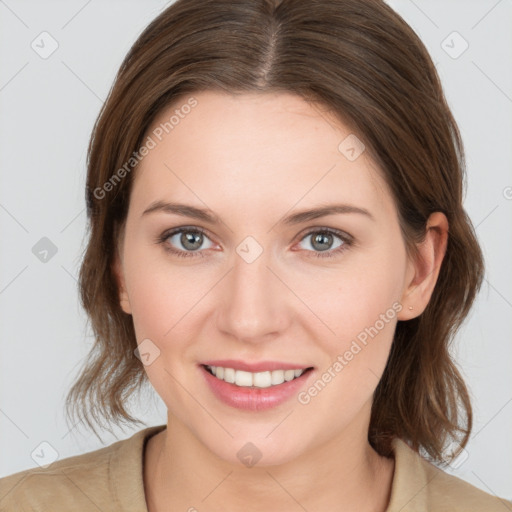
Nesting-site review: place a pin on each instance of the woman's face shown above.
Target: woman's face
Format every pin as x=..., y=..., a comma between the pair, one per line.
x=262, y=284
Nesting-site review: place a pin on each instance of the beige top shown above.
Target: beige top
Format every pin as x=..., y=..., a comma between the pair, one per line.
x=111, y=480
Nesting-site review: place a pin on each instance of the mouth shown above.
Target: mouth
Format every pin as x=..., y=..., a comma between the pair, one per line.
x=256, y=380
x=255, y=387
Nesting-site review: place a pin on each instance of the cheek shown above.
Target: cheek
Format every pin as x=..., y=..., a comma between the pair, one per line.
x=168, y=309
x=145, y=308
x=151, y=307
x=160, y=293
x=360, y=308
x=162, y=300
x=362, y=311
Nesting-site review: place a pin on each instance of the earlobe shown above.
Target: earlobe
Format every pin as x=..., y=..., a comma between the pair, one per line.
x=426, y=267
x=117, y=270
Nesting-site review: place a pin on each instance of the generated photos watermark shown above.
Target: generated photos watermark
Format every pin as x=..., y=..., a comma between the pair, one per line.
x=342, y=360
x=151, y=142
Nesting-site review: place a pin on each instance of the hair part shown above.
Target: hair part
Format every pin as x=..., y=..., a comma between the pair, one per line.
x=367, y=66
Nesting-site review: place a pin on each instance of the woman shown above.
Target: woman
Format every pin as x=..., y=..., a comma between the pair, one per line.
x=278, y=246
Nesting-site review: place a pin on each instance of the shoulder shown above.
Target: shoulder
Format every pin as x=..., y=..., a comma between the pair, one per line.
x=420, y=485
x=449, y=492
x=90, y=481
x=72, y=480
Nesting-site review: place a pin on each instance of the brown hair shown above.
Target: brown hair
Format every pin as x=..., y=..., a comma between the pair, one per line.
x=361, y=60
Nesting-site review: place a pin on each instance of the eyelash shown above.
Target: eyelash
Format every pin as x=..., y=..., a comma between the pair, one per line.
x=346, y=239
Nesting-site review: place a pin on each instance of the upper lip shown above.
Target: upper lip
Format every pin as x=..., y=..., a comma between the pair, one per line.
x=262, y=366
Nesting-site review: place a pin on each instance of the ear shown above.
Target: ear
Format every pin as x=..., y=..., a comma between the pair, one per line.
x=118, y=271
x=424, y=271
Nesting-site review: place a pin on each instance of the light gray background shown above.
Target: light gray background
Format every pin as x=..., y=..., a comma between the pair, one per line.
x=48, y=107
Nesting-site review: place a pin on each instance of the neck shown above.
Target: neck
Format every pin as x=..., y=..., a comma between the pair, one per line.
x=344, y=473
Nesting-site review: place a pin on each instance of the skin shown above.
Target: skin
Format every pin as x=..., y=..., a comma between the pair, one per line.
x=251, y=160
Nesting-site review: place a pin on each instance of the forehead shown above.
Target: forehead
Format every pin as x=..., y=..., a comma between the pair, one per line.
x=248, y=149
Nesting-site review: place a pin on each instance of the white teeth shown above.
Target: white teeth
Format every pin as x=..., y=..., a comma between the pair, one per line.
x=229, y=375
x=259, y=379
x=277, y=377
x=243, y=378
x=262, y=379
x=289, y=375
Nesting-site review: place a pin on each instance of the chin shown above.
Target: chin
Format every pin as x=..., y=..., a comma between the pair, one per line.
x=255, y=450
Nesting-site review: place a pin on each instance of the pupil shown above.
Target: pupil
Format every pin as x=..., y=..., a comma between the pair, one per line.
x=189, y=238
x=323, y=238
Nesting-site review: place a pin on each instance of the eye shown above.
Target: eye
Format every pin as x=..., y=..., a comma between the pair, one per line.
x=191, y=239
x=322, y=242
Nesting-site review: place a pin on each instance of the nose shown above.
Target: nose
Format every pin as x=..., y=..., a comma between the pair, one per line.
x=253, y=303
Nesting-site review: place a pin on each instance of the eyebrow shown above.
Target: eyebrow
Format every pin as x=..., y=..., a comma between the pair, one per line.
x=295, y=218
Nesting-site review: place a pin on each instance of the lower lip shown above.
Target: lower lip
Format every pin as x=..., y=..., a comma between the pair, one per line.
x=251, y=398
